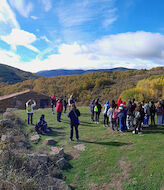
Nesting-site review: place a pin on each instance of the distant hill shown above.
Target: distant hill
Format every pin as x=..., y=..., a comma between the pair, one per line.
x=60, y=72
x=103, y=85
x=12, y=75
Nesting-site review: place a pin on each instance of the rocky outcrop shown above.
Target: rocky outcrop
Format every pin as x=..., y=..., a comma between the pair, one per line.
x=31, y=170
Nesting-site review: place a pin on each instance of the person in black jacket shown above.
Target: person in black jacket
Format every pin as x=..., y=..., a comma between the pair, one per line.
x=74, y=114
x=130, y=115
x=99, y=107
x=152, y=113
x=139, y=116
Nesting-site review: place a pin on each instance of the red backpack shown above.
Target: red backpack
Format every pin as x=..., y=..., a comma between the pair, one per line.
x=115, y=113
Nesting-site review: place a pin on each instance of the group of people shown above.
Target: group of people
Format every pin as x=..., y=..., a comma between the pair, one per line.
x=41, y=126
x=120, y=116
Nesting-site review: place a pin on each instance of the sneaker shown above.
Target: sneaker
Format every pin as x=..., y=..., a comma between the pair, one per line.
x=71, y=139
x=104, y=126
x=77, y=140
x=133, y=132
x=140, y=133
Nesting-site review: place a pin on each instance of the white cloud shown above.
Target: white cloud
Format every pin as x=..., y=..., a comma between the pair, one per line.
x=22, y=7
x=45, y=38
x=47, y=5
x=133, y=50
x=9, y=58
x=76, y=13
x=34, y=17
x=20, y=38
x=7, y=18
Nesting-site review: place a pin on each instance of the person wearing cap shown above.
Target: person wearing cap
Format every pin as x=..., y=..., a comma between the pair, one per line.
x=122, y=118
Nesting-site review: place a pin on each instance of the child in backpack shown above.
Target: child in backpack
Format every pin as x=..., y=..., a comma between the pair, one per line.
x=74, y=121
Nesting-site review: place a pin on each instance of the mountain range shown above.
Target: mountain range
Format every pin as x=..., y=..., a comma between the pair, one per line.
x=59, y=72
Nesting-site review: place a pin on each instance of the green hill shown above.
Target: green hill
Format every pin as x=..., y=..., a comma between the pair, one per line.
x=12, y=75
x=105, y=85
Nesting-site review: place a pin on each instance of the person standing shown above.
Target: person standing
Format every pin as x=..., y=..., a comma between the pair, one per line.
x=99, y=107
x=65, y=104
x=147, y=114
x=139, y=116
x=53, y=102
x=74, y=114
x=159, y=113
x=92, y=105
x=59, y=109
x=130, y=115
x=152, y=113
x=105, y=111
x=30, y=104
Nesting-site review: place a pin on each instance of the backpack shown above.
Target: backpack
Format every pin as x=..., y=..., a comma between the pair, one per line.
x=95, y=109
x=114, y=115
x=105, y=109
x=137, y=115
x=28, y=108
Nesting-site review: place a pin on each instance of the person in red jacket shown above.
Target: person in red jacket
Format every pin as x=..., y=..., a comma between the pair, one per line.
x=59, y=109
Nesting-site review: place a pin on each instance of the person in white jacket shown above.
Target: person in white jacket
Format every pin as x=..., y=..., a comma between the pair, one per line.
x=30, y=104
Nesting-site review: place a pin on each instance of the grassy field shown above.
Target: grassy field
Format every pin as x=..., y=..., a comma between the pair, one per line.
x=111, y=160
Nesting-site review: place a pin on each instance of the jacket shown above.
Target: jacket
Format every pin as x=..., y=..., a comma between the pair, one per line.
x=59, y=107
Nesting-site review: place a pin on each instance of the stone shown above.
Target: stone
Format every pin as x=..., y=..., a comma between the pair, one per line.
x=80, y=147
x=49, y=141
x=61, y=163
x=35, y=138
x=11, y=109
x=3, y=138
x=56, y=153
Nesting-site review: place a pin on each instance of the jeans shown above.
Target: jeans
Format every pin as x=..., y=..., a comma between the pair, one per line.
x=58, y=116
x=76, y=130
x=30, y=118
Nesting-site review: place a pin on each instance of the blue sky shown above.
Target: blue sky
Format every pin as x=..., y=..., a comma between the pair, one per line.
x=81, y=34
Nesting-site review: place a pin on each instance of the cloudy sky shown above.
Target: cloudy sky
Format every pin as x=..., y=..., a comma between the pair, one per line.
x=81, y=34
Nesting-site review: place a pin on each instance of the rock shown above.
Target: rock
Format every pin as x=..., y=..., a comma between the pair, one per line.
x=61, y=163
x=49, y=141
x=5, y=123
x=80, y=147
x=3, y=138
x=56, y=153
x=11, y=109
x=42, y=158
x=35, y=138
x=53, y=184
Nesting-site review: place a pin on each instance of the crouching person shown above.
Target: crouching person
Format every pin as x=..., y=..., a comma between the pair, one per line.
x=41, y=126
x=74, y=121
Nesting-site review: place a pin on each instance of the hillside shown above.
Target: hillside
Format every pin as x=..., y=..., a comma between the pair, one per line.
x=61, y=72
x=12, y=75
x=105, y=85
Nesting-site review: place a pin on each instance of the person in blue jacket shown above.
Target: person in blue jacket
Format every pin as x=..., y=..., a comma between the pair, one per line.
x=122, y=118
x=74, y=121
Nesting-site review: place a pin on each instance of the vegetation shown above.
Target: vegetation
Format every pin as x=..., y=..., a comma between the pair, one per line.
x=112, y=160
x=11, y=75
x=105, y=85
x=151, y=88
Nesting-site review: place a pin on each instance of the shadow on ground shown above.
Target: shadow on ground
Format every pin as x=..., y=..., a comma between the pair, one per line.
x=106, y=143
